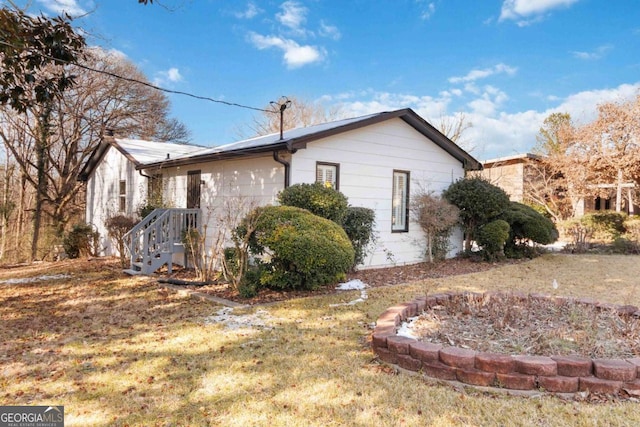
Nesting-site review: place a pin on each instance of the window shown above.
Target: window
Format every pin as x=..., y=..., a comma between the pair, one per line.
x=400, y=202
x=328, y=173
x=602, y=204
x=123, y=196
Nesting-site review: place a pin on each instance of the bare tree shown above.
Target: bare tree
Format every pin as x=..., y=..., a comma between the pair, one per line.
x=60, y=145
x=612, y=145
x=591, y=160
x=435, y=216
x=557, y=179
x=299, y=113
x=454, y=128
x=7, y=205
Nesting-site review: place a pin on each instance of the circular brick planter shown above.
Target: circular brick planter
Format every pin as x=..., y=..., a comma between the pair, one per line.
x=551, y=374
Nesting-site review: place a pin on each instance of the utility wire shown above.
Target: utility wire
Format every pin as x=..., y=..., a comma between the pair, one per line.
x=132, y=80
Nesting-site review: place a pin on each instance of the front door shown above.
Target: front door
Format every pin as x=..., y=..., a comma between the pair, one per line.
x=193, y=190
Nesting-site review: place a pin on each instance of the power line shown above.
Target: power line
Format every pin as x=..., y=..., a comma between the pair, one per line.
x=132, y=80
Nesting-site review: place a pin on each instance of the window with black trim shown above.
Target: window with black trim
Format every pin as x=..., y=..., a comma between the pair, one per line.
x=328, y=173
x=400, y=202
x=122, y=196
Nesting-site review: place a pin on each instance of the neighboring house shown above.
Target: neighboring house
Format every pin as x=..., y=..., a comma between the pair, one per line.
x=377, y=161
x=513, y=172
x=509, y=174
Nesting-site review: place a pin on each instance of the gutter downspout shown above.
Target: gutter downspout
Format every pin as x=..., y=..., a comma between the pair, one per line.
x=287, y=168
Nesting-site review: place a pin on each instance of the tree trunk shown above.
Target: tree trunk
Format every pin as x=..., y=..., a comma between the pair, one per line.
x=41, y=189
x=430, y=247
x=4, y=221
x=22, y=207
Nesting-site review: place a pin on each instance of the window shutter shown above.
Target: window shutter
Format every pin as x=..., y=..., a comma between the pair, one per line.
x=327, y=174
x=328, y=177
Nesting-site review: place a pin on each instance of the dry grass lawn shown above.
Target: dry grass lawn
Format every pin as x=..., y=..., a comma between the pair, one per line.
x=122, y=351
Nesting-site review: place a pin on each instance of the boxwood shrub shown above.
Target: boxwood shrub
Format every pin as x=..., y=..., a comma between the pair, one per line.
x=317, y=198
x=492, y=237
x=527, y=225
x=359, y=225
x=299, y=250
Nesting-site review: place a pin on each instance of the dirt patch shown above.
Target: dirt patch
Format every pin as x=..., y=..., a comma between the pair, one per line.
x=516, y=324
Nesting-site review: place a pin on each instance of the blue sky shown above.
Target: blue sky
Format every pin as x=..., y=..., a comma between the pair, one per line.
x=504, y=64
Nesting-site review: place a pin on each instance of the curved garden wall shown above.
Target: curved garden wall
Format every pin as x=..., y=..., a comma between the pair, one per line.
x=554, y=374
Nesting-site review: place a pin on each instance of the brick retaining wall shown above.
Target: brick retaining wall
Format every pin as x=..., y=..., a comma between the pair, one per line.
x=555, y=374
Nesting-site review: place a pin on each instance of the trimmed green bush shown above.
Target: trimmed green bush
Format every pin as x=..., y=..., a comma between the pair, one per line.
x=527, y=225
x=479, y=202
x=317, y=198
x=300, y=250
x=606, y=226
x=359, y=223
x=492, y=237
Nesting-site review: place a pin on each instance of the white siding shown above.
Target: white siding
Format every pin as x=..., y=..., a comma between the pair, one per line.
x=367, y=158
x=103, y=193
x=254, y=181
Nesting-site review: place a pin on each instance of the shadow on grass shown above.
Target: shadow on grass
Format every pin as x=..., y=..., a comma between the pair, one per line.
x=122, y=351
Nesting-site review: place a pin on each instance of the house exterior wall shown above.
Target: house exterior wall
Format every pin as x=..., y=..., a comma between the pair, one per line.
x=103, y=194
x=257, y=178
x=235, y=184
x=367, y=158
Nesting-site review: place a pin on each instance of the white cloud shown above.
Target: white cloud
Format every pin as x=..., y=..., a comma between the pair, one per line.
x=329, y=31
x=58, y=7
x=295, y=55
x=113, y=54
x=427, y=106
x=529, y=11
x=293, y=15
x=598, y=53
x=250, y=12
x=292, y=20
x=488, y=103
x=514, y=133
x=478, y=74
x=495, y=132
x=583, y=105
x=172, y=75
x=427, y=8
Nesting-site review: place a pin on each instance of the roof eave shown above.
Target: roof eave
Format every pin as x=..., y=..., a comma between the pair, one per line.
x=95, y=158
x=226, y=155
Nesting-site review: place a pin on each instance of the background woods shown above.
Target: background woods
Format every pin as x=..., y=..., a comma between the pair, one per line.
x=52, y=116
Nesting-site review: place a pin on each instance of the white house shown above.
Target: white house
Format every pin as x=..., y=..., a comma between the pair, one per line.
x=377, y=161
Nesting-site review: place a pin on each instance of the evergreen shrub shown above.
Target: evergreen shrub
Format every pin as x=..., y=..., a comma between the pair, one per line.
x=299, y=250
x=317, y=198
x=527, y=225
x=492, y=237
x=359, y=225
